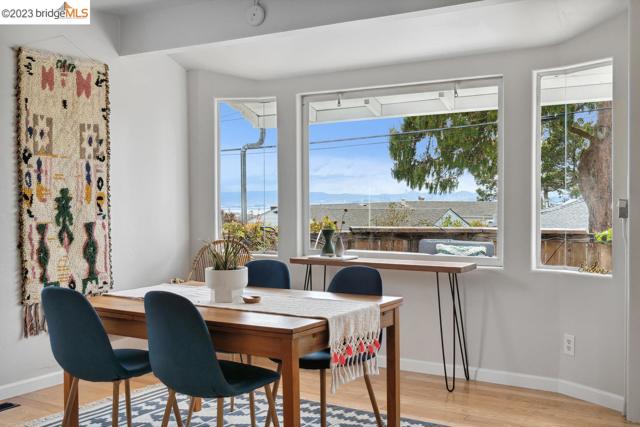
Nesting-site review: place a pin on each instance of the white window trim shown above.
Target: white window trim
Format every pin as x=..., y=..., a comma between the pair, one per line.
x=536, y=262
x=217, y=220
x=496, y=261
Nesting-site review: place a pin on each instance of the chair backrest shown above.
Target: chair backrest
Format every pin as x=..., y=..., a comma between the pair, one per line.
x=204, y=258
x=78, y=339
x=269, y=273
x=181, y=353
x=357, y=279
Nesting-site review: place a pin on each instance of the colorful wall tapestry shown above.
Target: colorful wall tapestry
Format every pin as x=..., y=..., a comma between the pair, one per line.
x=63, y=167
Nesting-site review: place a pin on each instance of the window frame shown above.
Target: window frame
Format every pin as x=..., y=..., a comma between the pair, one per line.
x=218, y=220
x=306, y=98
x=538, y=75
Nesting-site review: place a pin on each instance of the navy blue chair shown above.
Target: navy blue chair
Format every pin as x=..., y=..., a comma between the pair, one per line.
x=183, y=357
x=359, y=280
x=82, y=348
x=269, y=273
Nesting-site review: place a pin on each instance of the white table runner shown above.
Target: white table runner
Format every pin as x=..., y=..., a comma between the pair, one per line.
x=354, y=327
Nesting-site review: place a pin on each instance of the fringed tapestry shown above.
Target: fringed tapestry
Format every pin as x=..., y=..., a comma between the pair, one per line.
x=63, y=167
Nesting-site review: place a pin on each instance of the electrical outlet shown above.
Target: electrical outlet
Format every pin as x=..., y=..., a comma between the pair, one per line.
x=569, y=345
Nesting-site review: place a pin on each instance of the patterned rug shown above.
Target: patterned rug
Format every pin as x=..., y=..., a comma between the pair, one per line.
x=148, y=408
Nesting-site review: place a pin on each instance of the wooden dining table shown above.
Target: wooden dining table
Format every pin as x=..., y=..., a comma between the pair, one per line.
x=267, y=335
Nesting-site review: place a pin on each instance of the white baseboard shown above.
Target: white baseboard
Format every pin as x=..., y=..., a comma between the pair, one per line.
x=579, y=391
x=18, y=388
x=569, y=388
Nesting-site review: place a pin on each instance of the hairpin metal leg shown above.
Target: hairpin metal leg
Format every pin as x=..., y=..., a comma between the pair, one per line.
x=444, y=359
x=462, y=338
x=324, y=284
x=308, y=285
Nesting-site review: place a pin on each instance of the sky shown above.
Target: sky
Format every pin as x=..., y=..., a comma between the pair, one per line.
x=360, y=167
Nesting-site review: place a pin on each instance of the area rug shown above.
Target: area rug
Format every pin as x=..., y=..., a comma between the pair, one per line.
x=62, y=114
x=148, y=408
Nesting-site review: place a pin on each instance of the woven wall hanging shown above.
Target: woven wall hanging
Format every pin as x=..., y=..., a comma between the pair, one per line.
x=63, y=177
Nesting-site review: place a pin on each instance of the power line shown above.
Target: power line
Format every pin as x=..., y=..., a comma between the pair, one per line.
x=360, y=138
x=413, y=132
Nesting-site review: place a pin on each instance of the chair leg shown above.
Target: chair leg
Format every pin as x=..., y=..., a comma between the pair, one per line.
x=252, y=400
x=167, y=410
x=116, y=404
x=372, y=396
x=276, y=384
x=220, y=417
x=323, y=398
x=127, y=398
x=192, y=404
x=233, y=399
x=73, y=393
x=176, y=411
x=272, y=413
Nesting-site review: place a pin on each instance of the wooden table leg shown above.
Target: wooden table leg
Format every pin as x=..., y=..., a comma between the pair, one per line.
x=393, y=371
x=68, y=379
x=291, y=387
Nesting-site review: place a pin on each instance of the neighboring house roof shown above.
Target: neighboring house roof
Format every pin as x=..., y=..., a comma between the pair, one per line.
x=573, y=214
x=453, y=217
x=410, y=213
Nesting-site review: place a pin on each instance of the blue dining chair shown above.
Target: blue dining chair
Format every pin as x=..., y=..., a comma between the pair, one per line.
x=269, y=273
x=183, y=357
x=81, y=347
x=359, y=280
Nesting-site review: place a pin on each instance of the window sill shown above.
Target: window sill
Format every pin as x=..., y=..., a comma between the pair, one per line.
x=548, y=270
x=258, y=255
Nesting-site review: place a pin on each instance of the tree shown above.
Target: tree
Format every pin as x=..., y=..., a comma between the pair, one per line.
x=581, y=167
x=436, y=159
x=433, y=152
x=395, y=215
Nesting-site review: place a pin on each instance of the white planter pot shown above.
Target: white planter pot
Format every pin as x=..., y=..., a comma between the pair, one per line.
x=227, y=285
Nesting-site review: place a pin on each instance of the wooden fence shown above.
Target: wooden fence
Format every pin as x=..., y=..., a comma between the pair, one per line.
x=559, y=247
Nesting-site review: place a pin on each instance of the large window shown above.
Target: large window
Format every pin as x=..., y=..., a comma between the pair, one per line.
x=408, y=169
x=574, y=146
x=248, y=176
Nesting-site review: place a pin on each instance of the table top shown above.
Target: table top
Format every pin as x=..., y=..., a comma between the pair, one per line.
x=133, y=309
x=390, y=264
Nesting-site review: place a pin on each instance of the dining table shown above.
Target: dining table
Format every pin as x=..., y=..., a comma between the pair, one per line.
x=260, y=334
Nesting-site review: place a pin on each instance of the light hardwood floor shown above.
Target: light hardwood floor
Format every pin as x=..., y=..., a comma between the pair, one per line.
x=423, y=397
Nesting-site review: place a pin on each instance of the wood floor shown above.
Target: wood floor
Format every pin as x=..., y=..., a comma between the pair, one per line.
x=423, y=397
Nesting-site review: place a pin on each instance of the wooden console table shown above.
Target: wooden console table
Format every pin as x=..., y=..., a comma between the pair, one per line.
x=452, y=269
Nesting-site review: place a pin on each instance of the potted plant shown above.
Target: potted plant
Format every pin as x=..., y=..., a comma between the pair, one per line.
x=328, y=230
x=226, y=278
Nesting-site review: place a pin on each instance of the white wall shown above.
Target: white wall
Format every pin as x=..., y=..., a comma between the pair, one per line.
x=149, y=180
x=633, y=307
x=516, y=317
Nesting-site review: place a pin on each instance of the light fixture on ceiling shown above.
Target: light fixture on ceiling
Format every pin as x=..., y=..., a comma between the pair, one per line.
x=339, y=100
x=455, y=90
x=255, y=14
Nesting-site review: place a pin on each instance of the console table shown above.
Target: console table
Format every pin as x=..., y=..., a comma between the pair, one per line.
x=452, y=269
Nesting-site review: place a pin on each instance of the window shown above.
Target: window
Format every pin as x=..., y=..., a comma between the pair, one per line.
x=574, y=149
x=248, y=175
x=406, y=169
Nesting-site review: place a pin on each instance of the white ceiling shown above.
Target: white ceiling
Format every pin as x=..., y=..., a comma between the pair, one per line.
x=485, y=26
x=124, y=7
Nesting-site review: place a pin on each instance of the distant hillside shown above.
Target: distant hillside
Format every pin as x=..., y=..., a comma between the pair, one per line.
x=257, y=199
